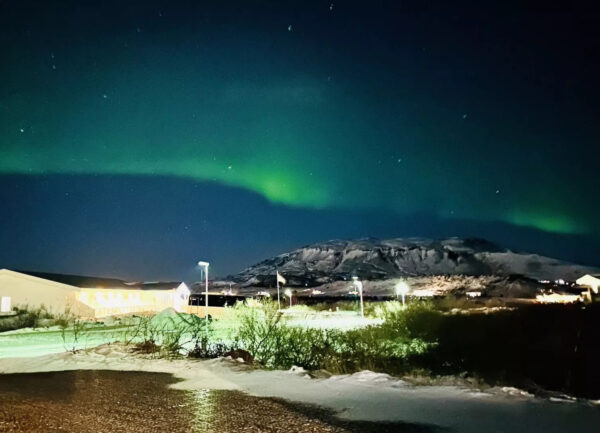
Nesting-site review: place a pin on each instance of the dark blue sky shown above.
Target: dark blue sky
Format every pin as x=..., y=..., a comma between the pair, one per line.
x=138, y=137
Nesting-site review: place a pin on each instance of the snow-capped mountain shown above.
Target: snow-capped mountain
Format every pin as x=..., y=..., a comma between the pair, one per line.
x=372, y=259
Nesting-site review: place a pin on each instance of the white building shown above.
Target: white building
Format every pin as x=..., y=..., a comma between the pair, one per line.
x=88, y=296
x=592, y=282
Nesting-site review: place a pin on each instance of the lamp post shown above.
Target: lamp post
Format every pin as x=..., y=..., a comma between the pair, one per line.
x=359, y=286
x=401, y=290
x=205, y=265
x=288, y=293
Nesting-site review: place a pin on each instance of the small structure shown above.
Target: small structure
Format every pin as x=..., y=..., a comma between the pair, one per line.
x=217, y=304
x=88, y=297
x=592, y=282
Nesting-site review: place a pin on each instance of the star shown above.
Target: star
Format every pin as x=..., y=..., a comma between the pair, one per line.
x=290, y=28
x=464, y=116
x=21, y=130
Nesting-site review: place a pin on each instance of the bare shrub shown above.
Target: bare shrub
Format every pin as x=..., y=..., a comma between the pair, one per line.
x=74, y=333
x=274, y=344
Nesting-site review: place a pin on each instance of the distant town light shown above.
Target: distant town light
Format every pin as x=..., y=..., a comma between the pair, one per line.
x=557, y=298
x=288, y=293
x=402, y=288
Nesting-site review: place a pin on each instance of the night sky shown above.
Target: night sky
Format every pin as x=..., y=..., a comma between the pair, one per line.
x=137, y=137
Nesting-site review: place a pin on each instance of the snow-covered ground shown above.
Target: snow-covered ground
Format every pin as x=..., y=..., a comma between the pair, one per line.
x=30, y=342
x=364, y=395
x=328, y=320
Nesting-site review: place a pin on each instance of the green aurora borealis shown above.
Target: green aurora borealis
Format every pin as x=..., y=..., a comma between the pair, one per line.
x=318, y=117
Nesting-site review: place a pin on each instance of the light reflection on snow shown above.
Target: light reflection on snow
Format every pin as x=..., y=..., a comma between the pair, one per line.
x=204, y=410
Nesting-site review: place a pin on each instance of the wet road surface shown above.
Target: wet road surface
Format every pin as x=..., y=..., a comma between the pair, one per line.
x=112, y=401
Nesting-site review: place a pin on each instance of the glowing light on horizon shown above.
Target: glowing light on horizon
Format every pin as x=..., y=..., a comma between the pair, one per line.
x=402, y=288
x=556, y=298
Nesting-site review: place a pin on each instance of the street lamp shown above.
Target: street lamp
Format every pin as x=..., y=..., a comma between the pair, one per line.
x=288, y=293
x=205, y=265
x=401, y=290
x=359, y=286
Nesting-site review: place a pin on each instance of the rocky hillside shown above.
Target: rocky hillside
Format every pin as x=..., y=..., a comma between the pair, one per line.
x=372, y=259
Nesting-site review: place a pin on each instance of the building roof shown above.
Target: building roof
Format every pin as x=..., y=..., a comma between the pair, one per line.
x=87, y=282
x=158, y=285
x=596, y=276
x=33, y=278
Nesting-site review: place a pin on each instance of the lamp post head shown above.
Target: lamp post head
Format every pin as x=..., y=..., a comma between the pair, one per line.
x=402, y=288
x=205, y=264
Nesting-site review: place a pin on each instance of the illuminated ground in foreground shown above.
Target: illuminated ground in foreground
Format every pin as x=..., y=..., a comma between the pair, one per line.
x=364, y=396
x=85, y=401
